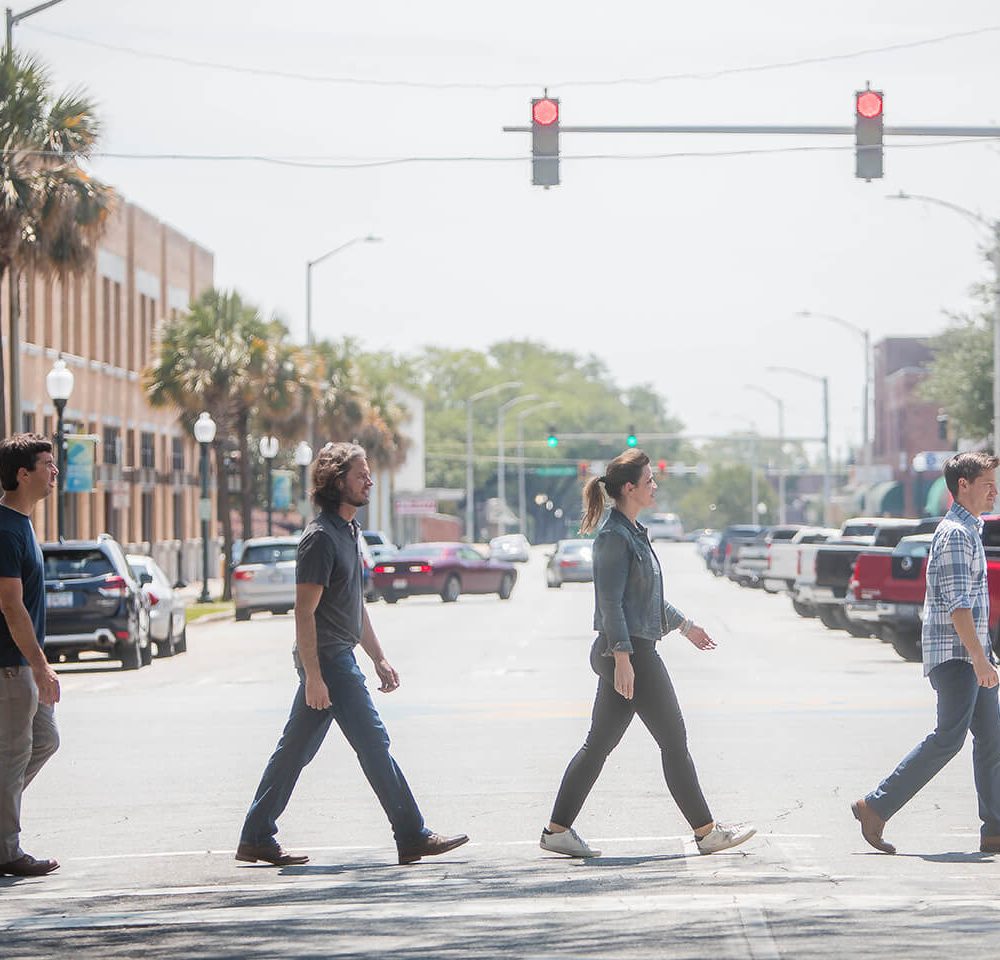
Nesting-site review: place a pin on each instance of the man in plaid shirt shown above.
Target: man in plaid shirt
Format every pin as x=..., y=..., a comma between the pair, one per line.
x=958, y=660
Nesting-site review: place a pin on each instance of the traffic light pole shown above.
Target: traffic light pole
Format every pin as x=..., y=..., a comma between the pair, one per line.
x=820, y=130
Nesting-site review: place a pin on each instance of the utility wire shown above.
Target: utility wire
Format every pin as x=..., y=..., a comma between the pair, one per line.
x=323, y=163
x=514, y=85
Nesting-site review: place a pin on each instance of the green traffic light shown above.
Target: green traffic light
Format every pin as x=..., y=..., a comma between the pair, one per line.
x=632, y=440
x=553, y=441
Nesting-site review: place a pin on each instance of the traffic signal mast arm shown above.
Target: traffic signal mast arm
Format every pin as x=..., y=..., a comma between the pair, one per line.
x=780, y=129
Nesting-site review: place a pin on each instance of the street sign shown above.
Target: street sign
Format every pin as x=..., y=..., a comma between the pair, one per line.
x=928, y=460
x=554, y=471
x=416, y=507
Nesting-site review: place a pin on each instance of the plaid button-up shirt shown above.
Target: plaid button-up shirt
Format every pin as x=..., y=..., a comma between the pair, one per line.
x=956, y=580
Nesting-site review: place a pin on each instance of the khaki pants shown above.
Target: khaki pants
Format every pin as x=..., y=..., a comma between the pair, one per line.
x=28, y=737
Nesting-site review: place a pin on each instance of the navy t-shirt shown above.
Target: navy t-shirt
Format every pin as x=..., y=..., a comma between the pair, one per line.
x=21, y=558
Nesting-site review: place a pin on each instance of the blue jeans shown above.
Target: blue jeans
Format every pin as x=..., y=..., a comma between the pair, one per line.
x=962, y=706
x=304, y=733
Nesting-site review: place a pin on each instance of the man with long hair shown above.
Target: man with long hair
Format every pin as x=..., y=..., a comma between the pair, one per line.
x=330, y=620
x=29, y=687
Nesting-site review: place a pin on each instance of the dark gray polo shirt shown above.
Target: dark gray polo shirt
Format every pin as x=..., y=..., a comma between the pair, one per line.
x=329, y=555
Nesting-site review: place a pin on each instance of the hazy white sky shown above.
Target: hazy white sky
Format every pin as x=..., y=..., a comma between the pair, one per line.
x=683, y=272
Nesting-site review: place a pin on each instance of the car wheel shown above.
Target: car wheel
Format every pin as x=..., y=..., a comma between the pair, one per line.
x=51, y=656
x=552, y=583
x=452, y=589
x=146, y=652
x=390, y=597
x=828, y=616
x=129, y=653
x=905, y=642
x=242, y=613
x=181, y=644
x=506, y=587
x=861, y=630
x=803, y=609
x=167, y=648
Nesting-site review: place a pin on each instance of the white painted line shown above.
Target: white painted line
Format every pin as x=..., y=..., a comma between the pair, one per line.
x=757, y=932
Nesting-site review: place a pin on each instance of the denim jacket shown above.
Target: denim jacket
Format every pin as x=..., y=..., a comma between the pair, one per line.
x=627, y=601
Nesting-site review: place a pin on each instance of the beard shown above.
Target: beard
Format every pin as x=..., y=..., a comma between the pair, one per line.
x=360, y=500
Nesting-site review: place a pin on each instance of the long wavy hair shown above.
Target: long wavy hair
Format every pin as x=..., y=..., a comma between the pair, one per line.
x=331, y=466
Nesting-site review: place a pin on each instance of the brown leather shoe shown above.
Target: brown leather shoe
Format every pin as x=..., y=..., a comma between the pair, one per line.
x=28, y=866
x=430, y=846
x=989, y=845
x=872, y=826
x=269, y=853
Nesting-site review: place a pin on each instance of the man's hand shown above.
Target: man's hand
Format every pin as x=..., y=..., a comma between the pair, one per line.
x=387, y=674
x=986, y=673
x=700, y=638
x=624, y=676
x=317, y=694
x=47, y=683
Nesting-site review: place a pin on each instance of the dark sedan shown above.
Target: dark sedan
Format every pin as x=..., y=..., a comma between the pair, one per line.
x=445, y=569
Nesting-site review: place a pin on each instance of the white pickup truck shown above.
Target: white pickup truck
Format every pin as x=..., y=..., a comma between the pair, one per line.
x=792, y=563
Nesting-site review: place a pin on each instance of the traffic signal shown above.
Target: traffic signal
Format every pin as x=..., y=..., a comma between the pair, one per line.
x=552, y=440
x=545, y=141
x=583, y=469
x=868, y=134
x=661, y=466
x=631, y=440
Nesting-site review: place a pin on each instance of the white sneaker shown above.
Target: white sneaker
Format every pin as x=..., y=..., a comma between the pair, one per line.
x=722, y=837
x=569, y=843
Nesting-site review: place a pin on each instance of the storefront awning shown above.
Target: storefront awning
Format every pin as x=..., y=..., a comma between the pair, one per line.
x=939, y=499
x=884, y=499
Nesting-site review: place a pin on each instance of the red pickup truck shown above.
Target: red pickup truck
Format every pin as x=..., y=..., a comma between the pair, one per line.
x=887, y=590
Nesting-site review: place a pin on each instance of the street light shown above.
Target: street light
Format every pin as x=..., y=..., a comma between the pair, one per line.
x=826, y=430
x=501, y=452
x=204, y=433
x=994, y=227
x=521, y=497
x=312, y=263
x=303, y=457
x=59, y=384
x=268, y=447
x=781, y=445
x=470, y=515
x=866, y=337
x=13, y=19
x=753, y=464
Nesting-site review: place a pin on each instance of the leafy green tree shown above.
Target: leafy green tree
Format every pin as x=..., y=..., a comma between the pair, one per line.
x=723, y=497
x=213, y=358
x=52, y=213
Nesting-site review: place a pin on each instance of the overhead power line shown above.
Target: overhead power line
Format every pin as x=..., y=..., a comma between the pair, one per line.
x=356, y=163
x=712, y=74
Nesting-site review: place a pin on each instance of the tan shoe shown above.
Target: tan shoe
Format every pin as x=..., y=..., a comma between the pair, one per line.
x=872, y=826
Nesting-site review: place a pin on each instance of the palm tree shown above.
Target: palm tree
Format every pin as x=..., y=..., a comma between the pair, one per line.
x=212, y=359
x=52, y=213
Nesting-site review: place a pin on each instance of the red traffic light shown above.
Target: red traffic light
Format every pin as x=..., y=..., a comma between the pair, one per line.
x=662, y=466
x=544, y=112
x=868, y=103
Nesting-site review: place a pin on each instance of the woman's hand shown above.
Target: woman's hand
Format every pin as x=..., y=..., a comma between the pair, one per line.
x=624, y=675
x=700, y=638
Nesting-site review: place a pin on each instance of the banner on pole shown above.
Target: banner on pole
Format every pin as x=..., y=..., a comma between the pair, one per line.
x=281, y=489
x=79, y=466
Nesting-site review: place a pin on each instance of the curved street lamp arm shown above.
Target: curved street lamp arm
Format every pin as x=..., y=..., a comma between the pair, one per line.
x=947, y=204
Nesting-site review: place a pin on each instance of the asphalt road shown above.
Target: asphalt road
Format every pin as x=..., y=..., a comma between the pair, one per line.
x=788, y=722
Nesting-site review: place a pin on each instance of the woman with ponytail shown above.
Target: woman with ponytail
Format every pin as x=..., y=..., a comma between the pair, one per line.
x=630, y=616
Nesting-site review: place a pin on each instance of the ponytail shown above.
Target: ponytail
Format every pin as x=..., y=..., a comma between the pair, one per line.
x=593, y=504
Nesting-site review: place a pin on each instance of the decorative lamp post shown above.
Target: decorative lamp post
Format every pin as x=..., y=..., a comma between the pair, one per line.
x=268, y=450
x=204, y=433
x=59, y=384
x=303, y=457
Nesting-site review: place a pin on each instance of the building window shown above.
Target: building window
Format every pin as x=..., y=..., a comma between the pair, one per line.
x=27, y=421
x=110, y=514
x=105, y=320
x=115, y=352
x=177, y=455
x=129, y=448
x=147, y=450
x=109, y=453
x=147, y=516
x=178, y=515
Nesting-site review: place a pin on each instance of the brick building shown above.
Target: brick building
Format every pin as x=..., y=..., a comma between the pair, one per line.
x=104, y=324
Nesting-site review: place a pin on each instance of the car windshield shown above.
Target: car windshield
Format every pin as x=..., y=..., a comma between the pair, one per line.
x=912, y=548
x=859, y=529
x=577, y=546
x=76, y=564
x=269, y=553
x=423, y=550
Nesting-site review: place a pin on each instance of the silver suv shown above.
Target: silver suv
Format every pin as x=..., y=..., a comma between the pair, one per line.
x=264, y=579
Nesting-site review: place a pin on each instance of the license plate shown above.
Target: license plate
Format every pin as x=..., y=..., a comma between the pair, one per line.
x=58, y=599
x=399, y=584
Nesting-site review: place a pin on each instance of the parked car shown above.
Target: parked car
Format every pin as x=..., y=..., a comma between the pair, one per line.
x=706, y=543
x=571, y=561
x=264, y=579
x=784, y=561
x=167, y=609
x=723, y=556
x=446, y=569
x=663, y=526
x=751, y=567
x=378, y=542
x=94, y=603
x=513, y=547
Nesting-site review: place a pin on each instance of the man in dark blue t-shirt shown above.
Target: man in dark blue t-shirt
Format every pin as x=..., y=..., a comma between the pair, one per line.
x=29, y=687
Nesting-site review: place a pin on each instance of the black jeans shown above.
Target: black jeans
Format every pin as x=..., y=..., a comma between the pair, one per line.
x=656, y=704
